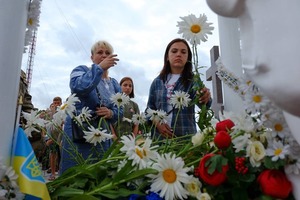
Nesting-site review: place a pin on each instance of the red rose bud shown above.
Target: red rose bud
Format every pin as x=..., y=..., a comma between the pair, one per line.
x=274, y=183
x=222, y=140
x=214, y=179
x=224, y=125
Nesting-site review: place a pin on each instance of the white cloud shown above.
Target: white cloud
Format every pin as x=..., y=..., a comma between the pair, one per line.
x=139, y=31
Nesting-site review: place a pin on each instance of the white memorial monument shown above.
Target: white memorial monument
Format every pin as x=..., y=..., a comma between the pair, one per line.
x=13, y=17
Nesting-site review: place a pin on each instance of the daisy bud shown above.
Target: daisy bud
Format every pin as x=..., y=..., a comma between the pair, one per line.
x=222, y=140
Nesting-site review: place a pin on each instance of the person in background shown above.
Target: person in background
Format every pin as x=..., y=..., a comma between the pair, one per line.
x=53, y=140
x=126, y=126
x=176, y=75
x=57, y=102
x=94, y=88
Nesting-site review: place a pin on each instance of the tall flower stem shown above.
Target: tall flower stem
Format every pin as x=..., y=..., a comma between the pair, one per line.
x=195, y=57
x=175, y=122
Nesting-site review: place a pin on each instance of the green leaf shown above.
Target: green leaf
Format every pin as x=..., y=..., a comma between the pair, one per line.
x=123, y=172
x=83, y=196
x=216, y=162
x=273, y=165
x=140, y=173
x=120, y=192
x=66, y=192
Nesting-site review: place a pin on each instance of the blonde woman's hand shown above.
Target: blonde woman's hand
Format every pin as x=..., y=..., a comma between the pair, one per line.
x=109, y=61
x=104, y=112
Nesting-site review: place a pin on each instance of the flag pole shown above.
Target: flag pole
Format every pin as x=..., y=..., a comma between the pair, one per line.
x=17, y=124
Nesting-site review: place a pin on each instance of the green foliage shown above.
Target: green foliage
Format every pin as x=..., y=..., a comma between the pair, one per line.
x=205, y=114
x=216, y=162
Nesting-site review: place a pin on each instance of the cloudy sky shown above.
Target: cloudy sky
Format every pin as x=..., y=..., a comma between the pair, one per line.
x=139, y=31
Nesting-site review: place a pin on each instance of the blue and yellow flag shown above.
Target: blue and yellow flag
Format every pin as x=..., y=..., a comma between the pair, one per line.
x=30, y=181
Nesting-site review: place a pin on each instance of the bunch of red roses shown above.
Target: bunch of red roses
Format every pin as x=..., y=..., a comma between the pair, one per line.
x=227, y=174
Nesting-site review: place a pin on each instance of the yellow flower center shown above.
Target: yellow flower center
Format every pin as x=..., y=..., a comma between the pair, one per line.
x=195, y=28
x=64, y=106
x=140, y=153
x=180, y=100
x=257, y=150
x=277, y=152
x=257, y=98
x=169, y=175
x=30, y=21
x=278, y=127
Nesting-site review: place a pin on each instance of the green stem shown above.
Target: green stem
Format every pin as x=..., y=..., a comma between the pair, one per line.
x=177, y=114
x=88, y=167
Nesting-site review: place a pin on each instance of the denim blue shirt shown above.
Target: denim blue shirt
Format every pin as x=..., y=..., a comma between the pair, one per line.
x=91, y=89
x=84, y=82
x=186, y=123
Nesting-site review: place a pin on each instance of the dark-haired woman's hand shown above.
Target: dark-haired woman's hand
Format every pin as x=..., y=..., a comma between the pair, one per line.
x=205, y=97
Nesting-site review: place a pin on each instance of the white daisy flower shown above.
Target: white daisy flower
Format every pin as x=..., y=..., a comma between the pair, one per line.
x=59, y=117
x=11, y=176
x=180, y=99
x=241, y=142
x=279, y=127
x=33, y=119
x=195, y=29
x=157, y=116
x=141, y=156
x=172, y=174
x=271, y=112
x=57, y=121
x=245, y=84
x=69, y=105
x=120, y=99
x=33, y=14
x=139, y=118
x=85, y=115
x=162, y=117
x=243, y=122
x=277, y=150
x=34, y=10
x=255, y=101
x=96, y=135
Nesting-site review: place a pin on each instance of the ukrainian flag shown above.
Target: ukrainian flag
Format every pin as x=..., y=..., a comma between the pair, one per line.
x=30, y=181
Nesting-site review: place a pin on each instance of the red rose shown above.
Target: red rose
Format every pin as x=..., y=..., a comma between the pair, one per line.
x=214, y=179
x=222, y=140
x=224, y=125
x=274, y=183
